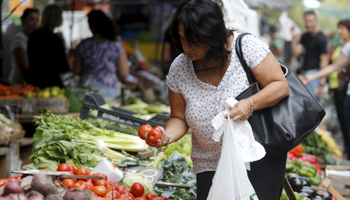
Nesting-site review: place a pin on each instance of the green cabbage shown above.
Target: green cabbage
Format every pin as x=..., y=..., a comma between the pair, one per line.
x=130, y=179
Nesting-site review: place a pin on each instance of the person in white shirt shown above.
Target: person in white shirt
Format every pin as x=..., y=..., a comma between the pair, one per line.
x=30, y=22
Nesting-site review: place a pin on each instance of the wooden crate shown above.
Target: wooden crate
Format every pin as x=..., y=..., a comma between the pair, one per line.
x=11, y=102
x=341, y=183
x=4, y=161
x=36, y=105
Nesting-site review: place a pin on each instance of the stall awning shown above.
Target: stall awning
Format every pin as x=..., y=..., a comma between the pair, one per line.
x=279, y=5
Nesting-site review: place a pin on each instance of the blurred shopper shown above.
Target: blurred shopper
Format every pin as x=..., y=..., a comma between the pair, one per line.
x=342, y=55
x=46, y=52
x=30, y=22
x=169, y=51
x=276, y=44
x=314, y=42
x=100, y=58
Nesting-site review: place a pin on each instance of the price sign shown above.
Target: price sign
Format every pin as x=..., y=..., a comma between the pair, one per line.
x=152, y=174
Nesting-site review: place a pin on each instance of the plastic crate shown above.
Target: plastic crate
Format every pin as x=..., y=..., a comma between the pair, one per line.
x=117, y=119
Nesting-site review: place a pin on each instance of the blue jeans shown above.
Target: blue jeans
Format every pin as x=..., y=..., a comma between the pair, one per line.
x=313, y=85
x=347, y=118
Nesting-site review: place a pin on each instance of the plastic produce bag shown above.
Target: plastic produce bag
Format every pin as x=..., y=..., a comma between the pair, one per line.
x=239, y=148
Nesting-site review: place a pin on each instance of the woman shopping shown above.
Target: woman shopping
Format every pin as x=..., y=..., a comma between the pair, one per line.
x=206, y=74
x=342, y=63
x=99, y=59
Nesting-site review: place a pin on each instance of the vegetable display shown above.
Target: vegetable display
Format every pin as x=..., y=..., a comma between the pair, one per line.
x=8, y=129
x=61, y=139
x=314, y=145
x=9, y=91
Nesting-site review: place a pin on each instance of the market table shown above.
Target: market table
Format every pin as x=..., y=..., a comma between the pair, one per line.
x=28, y=118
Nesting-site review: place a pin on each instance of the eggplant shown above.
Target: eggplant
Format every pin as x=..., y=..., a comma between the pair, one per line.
x=306, y=181
x=327, y=195
x=305, y=194
x=309, y=190
x=296, y=183
x=317, y=198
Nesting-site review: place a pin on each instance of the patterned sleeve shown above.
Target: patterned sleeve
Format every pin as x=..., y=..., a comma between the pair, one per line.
x=80, y=48
x=120, y=46
x=174, y=75
x=254, y=50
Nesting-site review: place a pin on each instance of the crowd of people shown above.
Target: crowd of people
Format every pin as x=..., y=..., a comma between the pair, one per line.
x=39, y=52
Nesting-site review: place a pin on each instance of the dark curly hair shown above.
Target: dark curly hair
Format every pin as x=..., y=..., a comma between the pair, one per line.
x=203, y=23
x=346, y=23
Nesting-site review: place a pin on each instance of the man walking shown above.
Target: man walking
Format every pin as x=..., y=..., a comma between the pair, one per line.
x=314, y=45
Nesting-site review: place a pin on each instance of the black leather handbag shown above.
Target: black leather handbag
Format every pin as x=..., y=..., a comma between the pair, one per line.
x=285, y=125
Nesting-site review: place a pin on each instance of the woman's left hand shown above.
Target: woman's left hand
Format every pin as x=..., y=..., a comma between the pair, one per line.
x=240, y=111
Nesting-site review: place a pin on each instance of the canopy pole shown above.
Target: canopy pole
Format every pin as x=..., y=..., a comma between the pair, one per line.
x=1, y=47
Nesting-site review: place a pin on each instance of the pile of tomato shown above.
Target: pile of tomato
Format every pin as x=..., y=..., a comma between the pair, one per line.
x=4, y=181
x=103, y=189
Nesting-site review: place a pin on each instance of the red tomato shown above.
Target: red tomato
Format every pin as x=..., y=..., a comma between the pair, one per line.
x=150, y=195
x=3, y=182
x=45, y=169
x=143, y=130
x=140, y=198
x=164, y=197
x=69, y=183
x=127, y=194
x=137, y=189
x=82, y=171
x=111, y=183
x=11, y=179
x=125, y=198
x=157, y=198
x=109, y=195
x=104, y=177
x=73, y=168
x=153, y=136
x=101, y=191
x=64, y=168
x=101, y=182
x=122, y=189
x=89, y=185
x=79, y=183
x=81, y=186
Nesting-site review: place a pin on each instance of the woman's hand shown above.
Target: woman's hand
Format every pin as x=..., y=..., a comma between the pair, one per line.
x=160, y=142
x=306, y=79
x=240, y=111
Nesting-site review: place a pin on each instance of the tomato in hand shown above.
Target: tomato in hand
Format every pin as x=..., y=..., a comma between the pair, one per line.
x=151, y=195
x=153, y=136
x=101, y=191
x=69, y=183
x=82, y=171
x=143, y=130
x=137, y=189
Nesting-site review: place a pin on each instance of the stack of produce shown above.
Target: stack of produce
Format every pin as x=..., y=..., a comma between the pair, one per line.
x=9, y=91
x=62, y=139
x=330, y=142
x=145, y=111
x=53, y=91
x=9, y=130
x=314, y=145
x=308, y=193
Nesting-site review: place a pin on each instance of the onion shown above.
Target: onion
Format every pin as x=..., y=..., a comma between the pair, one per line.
x=13, y=187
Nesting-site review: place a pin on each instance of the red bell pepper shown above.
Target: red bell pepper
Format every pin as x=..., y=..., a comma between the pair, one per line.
x=318, y=166
x=310, y=158
x=290, y=155
x=297, y=151
x=319, y=172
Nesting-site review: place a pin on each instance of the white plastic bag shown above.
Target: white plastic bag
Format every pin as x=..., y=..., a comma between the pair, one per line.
x=238, y=149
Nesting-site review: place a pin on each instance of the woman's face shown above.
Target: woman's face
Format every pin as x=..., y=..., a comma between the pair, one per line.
x=193, y=52
x=344, y=33
x=31, y=22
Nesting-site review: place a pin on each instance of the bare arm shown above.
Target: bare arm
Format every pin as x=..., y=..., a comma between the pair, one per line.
x=21, y=59
x=123, y=69
x=342, y=61
x=274, y=88
x=324, y=63
x=78, y=62
x=177, y=126
x=276, y=51
x=296, y=47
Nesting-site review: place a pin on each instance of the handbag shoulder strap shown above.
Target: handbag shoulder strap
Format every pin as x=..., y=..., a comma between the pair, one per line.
x=239, y=52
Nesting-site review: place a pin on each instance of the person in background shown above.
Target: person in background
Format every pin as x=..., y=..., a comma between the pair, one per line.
x=169, y=51
x=276, y=44
x=341, y=59
x=100, y=58
x=314, y=42
x=46, y=52
x=20, y=63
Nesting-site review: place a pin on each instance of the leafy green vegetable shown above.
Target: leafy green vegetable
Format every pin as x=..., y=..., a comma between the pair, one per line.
x=130, y=179
x=184, y=146
x=177, y=171
x=314, y=145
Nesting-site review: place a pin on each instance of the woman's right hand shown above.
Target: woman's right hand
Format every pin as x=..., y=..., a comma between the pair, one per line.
x=160, y=142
